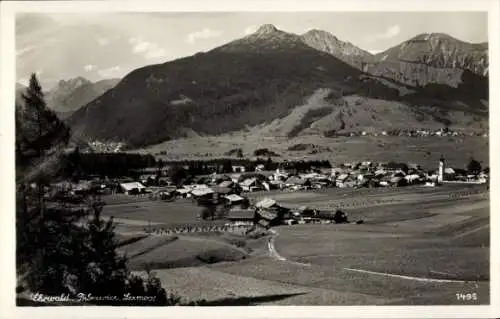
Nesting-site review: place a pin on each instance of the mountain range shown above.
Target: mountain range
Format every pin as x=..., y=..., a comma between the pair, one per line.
x=69, y=95
x=313, y=82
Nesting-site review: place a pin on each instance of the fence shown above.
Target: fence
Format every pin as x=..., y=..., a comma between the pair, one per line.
x=238, y=228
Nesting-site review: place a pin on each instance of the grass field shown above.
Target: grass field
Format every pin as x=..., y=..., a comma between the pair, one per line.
x=136, y=213
x=424, y=151
x=417, y=246
x=186, y=251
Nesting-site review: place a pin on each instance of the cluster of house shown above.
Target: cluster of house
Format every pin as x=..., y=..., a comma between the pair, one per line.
x=106, y=147
x=268, y=213
x=414, y=133
x=229, y=187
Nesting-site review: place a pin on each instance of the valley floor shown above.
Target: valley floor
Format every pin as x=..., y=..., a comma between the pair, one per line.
x=424, y=151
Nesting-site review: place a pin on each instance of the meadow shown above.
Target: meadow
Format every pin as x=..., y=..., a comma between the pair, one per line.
x=424, y=151
x=416, y=246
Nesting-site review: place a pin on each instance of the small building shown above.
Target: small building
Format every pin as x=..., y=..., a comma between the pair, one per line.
x=132, y=188
x=394, y=167
x=222, y=190
x=183, y=192
x=259, y=168
x=339, y=181
x=202, y=192
x=297, y=181
x=398, y=181
x=412, y=178
x=234, y=199
x=241, y=215
x=249, y=184
x=238, y=169
x=266, y=203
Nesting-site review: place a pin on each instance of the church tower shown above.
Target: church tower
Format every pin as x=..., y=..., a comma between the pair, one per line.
x=441, y=170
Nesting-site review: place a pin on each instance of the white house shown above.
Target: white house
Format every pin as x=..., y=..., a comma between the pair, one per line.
x=259, y=168
x=129, y=188
x=238, y=169
x=248, y=183
x=234, y=199
x=202, y=191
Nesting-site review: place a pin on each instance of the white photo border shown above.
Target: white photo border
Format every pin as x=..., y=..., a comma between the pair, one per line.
x=7, y=167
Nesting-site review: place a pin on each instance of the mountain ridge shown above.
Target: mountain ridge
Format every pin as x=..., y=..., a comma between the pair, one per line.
x=440, y=50
x=69, y=95
x=265, y=76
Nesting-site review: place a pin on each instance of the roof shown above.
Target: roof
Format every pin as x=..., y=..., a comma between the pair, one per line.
x=248, y=182
x=392, y=165
x=226, y=184
x=449, y=170
x=380, y=172
x=264, y=223
x=412, y=176
x=132, y=185
x=202, y=191
x=222, y=190
x=342, y=177
x=267, y=215
x=295, y=180
x=234, y=197
x=276, y=182
x=266, y=203
x=396, y=179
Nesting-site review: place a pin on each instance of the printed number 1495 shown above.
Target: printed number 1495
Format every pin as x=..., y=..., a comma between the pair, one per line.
x=467, y=297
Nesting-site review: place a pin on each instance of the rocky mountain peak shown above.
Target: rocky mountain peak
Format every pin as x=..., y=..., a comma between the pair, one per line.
x=266, y=29
x=75, y=82
x=320, y=34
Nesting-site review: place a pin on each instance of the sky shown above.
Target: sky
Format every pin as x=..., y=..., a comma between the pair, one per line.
x=109, y=45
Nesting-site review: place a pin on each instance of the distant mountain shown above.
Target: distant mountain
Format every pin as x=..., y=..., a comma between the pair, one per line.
x=440, y=51
x=266, y=38
x=269, y=75
x=68, y=96
x=345, y=51
x=242, y=83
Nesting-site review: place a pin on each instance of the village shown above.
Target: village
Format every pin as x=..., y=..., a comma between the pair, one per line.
x=228, y=200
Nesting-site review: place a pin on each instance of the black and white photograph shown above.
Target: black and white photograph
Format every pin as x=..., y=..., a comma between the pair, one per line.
x=250, y=158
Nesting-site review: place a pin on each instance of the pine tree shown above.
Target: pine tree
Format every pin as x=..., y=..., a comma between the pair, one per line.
x=42, y=126
x=474, y=167
x=100, y=271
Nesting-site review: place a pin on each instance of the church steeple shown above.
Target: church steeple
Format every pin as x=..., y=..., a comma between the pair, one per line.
x=441, y=169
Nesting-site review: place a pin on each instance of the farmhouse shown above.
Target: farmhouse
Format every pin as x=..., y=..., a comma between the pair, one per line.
x=250, y=184
x=266, y=203
x=132, y=188
x=183, y=192
x=202, y=192
x=241, y=215
x=234, y=199
x=297, y=182
x=393, y=167
x=259, y=168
